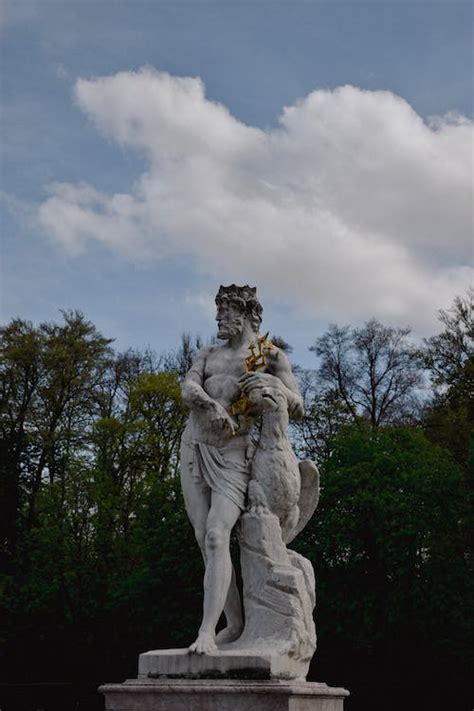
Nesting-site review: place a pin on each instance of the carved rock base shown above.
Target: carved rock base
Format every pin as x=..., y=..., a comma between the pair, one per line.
x=278, y=593
x=222, y=695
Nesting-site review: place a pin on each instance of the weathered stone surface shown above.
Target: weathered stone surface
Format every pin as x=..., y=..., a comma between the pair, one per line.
x=186, y=695
x=278, y=592
x=223, y=663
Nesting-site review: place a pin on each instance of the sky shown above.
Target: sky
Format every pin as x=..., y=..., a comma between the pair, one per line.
x=319, y=150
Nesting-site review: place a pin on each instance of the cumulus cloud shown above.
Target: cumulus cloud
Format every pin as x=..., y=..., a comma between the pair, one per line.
x=352, y=206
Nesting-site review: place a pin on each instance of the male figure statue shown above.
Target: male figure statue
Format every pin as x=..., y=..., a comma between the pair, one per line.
x=216, y=450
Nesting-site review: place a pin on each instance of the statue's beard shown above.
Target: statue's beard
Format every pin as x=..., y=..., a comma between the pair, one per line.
x=231, y=329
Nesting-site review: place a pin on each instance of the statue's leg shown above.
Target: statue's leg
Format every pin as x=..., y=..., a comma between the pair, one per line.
x=222, y=517
x=233, y=614
x=197, y=497
x=232, y=608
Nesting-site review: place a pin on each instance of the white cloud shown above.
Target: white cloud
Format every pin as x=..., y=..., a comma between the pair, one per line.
x=352, y=207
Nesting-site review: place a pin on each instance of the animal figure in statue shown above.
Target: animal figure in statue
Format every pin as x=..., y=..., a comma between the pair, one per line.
x=279, y=483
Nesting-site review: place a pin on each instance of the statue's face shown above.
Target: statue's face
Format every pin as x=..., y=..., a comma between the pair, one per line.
x=230, y=319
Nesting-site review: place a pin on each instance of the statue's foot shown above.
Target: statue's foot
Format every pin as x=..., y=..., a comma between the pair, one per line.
x=204, y=644
x=229, y=634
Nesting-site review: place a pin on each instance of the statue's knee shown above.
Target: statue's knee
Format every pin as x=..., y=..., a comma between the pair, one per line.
x=200, y=534
x=216, y=537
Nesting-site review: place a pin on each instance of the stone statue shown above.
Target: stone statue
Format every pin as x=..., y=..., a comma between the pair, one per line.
x=238, y=470
x=224, y=473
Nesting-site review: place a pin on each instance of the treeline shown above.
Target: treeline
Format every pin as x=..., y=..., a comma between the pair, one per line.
x=98, y=560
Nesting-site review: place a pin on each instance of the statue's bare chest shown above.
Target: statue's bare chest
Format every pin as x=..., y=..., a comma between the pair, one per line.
x=222, y=371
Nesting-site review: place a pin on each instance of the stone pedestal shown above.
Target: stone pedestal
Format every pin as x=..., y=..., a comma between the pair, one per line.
x=255, y=663
x=221, y=695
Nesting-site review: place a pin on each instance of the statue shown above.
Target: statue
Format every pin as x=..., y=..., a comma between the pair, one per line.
x=225, y=474
x=238, y=470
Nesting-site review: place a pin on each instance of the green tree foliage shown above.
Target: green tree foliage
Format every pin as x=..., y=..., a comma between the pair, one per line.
x=90, y=498
x=449, y=417
x=394, y=586
x=49, y=380
x=99, y=561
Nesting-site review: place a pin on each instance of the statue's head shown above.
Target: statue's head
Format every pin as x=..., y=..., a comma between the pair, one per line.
x=235, y=306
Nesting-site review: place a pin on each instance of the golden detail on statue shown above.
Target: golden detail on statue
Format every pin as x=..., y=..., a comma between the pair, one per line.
x=257, y=360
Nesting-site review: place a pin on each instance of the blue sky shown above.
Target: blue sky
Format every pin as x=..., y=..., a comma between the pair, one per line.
x=351, y=203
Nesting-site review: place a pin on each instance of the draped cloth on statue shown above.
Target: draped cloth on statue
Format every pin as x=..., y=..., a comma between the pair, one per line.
x=222, y=470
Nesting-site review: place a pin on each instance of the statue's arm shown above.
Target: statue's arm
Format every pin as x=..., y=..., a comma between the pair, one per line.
x=192, y=391
x=281, y=368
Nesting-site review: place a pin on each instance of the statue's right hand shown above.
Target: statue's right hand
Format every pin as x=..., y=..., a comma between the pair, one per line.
x=220, y=418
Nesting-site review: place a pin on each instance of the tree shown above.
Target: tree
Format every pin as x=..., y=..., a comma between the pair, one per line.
x=324, y=414
x=49, y=381
x=90, y=481
x=449, y=358
x=181, y=359
x=449, y=355
x=394, y=587
x=100, y=558
x=374, y=371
